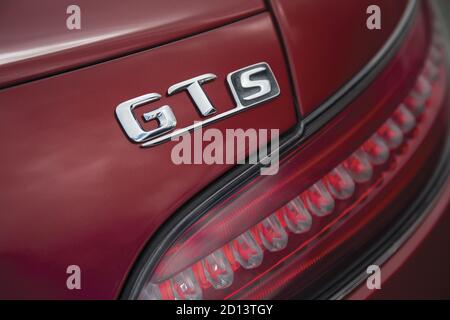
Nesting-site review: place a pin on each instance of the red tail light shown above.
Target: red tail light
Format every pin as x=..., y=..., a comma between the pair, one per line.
x=269, y=234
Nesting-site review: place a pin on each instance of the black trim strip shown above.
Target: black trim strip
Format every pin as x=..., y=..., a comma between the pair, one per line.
x=238, y=176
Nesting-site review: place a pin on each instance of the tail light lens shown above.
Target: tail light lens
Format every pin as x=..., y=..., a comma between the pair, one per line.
x=271, y=231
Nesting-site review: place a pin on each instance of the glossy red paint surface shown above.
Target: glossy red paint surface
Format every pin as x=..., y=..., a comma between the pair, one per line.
x=74, y=190
x=327, y=43
x=35, y=41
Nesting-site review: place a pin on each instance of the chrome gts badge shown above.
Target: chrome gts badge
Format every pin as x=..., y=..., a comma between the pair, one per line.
x=250, y=86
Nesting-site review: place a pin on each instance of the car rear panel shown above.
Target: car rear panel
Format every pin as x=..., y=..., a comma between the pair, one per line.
x=75, y=190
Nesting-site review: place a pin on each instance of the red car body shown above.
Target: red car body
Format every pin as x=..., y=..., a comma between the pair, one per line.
x=75, y=190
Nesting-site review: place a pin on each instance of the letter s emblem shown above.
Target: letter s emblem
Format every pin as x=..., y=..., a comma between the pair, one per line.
x=263, y=84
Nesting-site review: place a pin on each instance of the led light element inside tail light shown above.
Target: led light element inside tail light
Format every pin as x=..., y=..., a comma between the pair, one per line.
x=319, y=200
x=359, y=167
x=246, y=251
x=218, y=270
x=296, y=216
x=391, y=134
x=404, y=119
x=272, y=234
x=254, y=242
x=376, y=149
x=185, y=286
x=421, y=92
